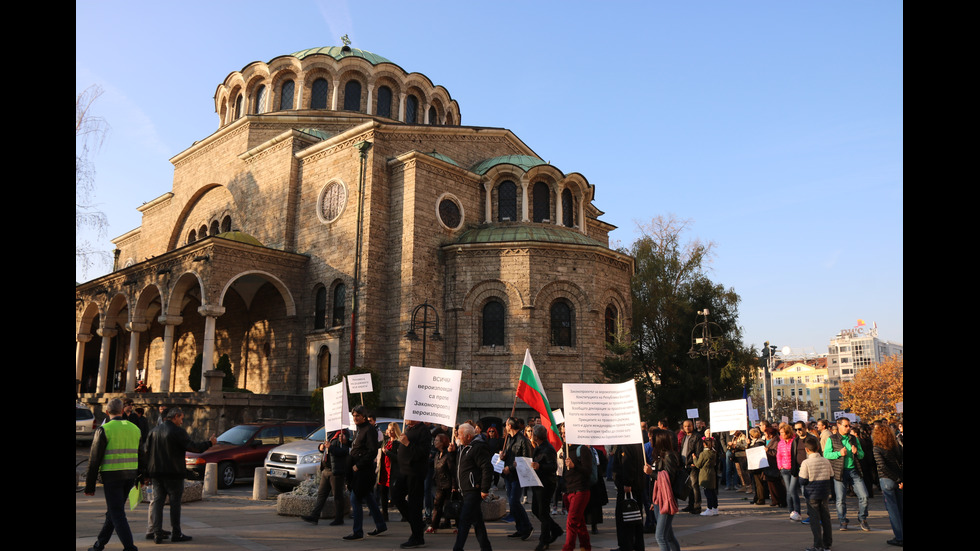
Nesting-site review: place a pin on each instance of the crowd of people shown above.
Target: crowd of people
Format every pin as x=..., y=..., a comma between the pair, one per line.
x=437, y=477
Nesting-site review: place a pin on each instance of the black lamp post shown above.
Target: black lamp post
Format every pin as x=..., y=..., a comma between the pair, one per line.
x=424, y=324
x=704, y=343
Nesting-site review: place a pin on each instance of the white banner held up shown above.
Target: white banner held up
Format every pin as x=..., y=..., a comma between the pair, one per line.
x=800, y=415
x=359, y=383
x=336, y=413
x=602, y=414
x=432, y=395
x=727, y=415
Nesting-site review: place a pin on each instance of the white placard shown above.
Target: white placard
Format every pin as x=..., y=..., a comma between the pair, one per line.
x=900, y=407
x=432, y=395
x=800, y=416
x=756, y=457
x=728, y=415
x=336, y=411
x=559, y=418
x=838, y=415
x=753, y=416
x=692, y=413
x=525, y=473
x=784, y=419
x=360, y=382
x=498, y=465
x=602, y=414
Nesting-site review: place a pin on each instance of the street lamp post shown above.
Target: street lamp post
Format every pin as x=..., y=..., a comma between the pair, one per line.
x=707, y=344
x=766, y=375
x=425, y=324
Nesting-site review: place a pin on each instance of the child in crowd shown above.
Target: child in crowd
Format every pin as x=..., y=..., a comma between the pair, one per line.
x=816, y=477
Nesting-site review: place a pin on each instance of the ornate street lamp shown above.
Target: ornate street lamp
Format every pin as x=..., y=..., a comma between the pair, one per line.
x=705, y=343
x=424, y=324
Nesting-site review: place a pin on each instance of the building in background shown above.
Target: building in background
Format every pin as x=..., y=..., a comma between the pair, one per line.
x=857, y=348
x=804, y=380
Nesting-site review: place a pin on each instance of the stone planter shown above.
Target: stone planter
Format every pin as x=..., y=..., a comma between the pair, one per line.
x=493, y=508
x=296, y=505
x=193, y=491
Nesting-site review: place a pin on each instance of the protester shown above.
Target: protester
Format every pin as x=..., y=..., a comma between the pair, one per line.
x=412, y=457
x=163, y=452
x=333, y=472
x=473, y=476
x=799, y=455
x=114, y=457
x=845, y=453
x=691, y=444
x=666, y=468
x=517, y=445
x=789, y=469
x=363, y=453
x=815, y=476
x=598, y=496
x=545, y=465
x=777, y=491
x=388, y=469
x=443, y=478
x=888, y=454
x=758, y=482
x=579, y=466
x=630, y=480
x=706, y=464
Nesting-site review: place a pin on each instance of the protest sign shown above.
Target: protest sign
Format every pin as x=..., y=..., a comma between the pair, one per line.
x=756, y=458
x=692, y=413
x=360, y=382
x=432, y=395
x=336, y=413
x=800, y=416
x=602, y=414
x=559, y=418
x=727, y=415
x=525, y=473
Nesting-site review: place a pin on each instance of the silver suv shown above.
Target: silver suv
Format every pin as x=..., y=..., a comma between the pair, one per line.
x=289, y=464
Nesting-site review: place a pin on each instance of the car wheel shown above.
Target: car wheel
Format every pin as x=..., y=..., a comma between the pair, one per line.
x=226, y=474
x=282, y=488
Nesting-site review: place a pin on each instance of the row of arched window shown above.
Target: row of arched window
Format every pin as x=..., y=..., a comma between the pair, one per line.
x=319, y=97
x=561, y=329
x=214, y=228
x=507, y=206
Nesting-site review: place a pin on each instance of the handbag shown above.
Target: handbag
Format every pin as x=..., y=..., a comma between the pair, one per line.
x=630, y=513
x=454, y=505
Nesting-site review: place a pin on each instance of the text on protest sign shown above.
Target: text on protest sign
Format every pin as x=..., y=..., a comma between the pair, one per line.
x=360, y=382
x=600, y=414
x=336, y=413
x=432, y=395
x=727, y=415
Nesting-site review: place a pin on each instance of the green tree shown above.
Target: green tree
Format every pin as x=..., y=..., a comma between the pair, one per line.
x=669, y=286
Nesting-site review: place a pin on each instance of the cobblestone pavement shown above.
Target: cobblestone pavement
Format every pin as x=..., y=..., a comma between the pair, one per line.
x=232, y=521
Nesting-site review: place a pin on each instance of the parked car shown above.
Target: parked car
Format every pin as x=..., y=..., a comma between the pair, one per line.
x=84, y=424
x=288, y=465
x=242, y=448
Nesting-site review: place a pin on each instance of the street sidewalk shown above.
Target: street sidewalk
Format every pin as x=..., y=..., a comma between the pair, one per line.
x=232, y=521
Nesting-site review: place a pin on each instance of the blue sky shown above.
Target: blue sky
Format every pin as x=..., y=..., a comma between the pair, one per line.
x=776, y=127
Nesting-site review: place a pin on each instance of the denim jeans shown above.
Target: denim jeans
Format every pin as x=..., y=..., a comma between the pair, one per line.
x=471, y=515
x=840, y=487
x=894, y=504
x=358, y=514
x=521, y=520
x=665, y=531
x=819, y=512
x=792, y=484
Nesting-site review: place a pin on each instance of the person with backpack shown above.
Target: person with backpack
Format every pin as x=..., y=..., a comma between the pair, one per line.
x=669, y=485
x=580, y=473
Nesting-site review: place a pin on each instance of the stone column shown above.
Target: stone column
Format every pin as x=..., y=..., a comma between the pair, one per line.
x=168, y=323
x=210, y=314
x=333, y=104
x=401, y=106
x=524, y=183
x=370, y=99
x=487, y=185
x=559, y=206
x=106, y=335
x=80, y=341
x=134, y=328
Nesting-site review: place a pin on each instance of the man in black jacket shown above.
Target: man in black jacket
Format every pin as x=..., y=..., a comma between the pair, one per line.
x=630, y=481
x=473, y=473
x=413, y=456
x=517, y=446
x=691, y=445
x=164, y=451
x=363, y=453
x=545, y=465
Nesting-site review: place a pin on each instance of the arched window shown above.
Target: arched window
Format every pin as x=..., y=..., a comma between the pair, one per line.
x=238, y=107
x=567, y=209
x=411, y=109
x=384, y=102
x=507, y=202
x=260, y=99
x=433, y=117
x=286, y=95
x=542, y=202
x=562, y=324
x=215, y=228
x=339, y=296
x=352, y=96
x=611, y=322
x=318, y=99
x=202, y=232
x=191, y=237
x=493, y=324
x=320, y=308
x=226, y=224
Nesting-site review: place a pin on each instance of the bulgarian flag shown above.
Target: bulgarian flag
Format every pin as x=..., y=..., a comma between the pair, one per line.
x=530, y=389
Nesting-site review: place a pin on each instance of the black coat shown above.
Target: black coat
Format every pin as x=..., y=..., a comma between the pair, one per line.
x=473, y=469
x=164, y=449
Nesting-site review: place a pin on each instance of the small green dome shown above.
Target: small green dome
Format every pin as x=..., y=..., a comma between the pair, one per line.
x=240, y=237
x=524, y=162
x=545, y=233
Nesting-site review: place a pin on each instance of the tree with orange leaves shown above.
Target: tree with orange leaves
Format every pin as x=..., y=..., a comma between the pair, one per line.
x=875, y=390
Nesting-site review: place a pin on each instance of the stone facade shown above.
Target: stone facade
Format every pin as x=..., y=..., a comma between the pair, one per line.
x=279, y=216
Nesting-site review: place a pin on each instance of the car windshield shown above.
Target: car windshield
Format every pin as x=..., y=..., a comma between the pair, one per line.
x=83, y=414
x=237, y=435
x=317, y=434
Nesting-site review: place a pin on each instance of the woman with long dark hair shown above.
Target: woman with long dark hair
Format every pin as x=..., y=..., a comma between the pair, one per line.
x=665, y=469
x=888, y=457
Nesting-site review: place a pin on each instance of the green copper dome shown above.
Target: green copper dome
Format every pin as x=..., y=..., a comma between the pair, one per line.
x=526, y=232
x=240, y=237
x=338, y=53
x=524, y=162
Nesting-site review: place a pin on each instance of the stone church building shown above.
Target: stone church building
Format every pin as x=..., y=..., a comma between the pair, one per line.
x=341, y=217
